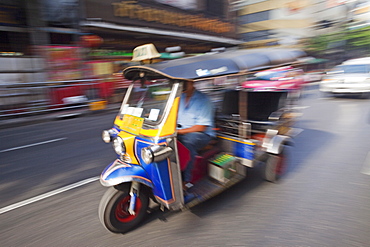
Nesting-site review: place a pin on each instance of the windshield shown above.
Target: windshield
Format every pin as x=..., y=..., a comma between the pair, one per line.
x=147, y=102
x=350, y=69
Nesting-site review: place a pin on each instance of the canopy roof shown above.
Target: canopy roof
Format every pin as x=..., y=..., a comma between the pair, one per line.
x=211, y=65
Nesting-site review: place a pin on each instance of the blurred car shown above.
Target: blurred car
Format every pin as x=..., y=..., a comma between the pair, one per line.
x=314, y=76
x=350, y=77
x=278, y=79
x=314, y=69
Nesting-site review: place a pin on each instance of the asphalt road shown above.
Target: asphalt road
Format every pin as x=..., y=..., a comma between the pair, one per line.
x=49, y=192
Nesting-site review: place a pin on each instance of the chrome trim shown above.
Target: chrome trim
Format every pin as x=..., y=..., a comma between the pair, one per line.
x=169, y=104
x=125, y=99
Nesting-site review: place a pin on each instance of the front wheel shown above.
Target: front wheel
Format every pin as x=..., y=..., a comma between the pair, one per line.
x=113, y=209
x=275, y=167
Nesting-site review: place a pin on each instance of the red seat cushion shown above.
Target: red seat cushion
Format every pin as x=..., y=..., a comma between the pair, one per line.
x=184, y=155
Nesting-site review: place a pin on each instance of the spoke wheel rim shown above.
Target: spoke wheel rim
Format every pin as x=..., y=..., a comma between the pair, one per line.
x=121, y=212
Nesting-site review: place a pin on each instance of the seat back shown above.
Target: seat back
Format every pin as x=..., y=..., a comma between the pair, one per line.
x=230, y=103
x=184, y=155
x=262, y=104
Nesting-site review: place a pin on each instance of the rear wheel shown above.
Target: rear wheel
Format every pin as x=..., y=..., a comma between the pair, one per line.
x=275, y=167
x=113, y=209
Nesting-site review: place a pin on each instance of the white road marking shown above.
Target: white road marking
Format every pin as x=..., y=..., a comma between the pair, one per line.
x=46, y=195
x=31, y=145
x=366, y=168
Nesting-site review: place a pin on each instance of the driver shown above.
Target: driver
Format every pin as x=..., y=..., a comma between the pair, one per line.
x=195, y=124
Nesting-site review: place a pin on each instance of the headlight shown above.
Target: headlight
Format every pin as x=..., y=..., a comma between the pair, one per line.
x=147, y=155
x=119, y=146
x=106, y=136
x=155, y=153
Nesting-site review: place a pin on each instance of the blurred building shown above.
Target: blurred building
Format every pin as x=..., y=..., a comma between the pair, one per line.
x=13, y=27
x=195, y=25
x=277, y=22
x=16, y=40
x=59, y=26
x=361, y=13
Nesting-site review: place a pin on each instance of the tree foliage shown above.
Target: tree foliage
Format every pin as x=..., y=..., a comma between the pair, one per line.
x=348, y=39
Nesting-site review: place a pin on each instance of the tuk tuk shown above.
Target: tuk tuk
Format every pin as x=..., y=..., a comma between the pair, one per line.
x=252, y=128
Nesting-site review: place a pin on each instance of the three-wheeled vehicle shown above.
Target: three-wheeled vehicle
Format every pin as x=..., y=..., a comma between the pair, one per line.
x=251, y=127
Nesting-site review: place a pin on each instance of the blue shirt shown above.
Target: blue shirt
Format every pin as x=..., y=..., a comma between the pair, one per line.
x=198, y=111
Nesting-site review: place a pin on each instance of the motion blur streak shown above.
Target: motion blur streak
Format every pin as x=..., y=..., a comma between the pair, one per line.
x=46, y=195
x=366, y=167
x=31, y=145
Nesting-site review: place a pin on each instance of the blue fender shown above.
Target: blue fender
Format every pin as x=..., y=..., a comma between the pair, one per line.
x=119, y=172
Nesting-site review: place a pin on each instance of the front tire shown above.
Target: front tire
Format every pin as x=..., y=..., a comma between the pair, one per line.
x=113, y=209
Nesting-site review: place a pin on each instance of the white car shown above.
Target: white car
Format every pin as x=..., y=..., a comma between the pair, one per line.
x=350, y=77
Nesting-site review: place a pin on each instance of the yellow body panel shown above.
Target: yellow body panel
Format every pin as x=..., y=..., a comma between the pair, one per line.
x=132, y=126
x=129, y=140
x=118, y=121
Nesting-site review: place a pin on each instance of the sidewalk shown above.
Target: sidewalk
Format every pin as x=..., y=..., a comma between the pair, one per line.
x=46, y=117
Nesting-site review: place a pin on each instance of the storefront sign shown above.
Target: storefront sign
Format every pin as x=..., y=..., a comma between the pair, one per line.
x=134, y=11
